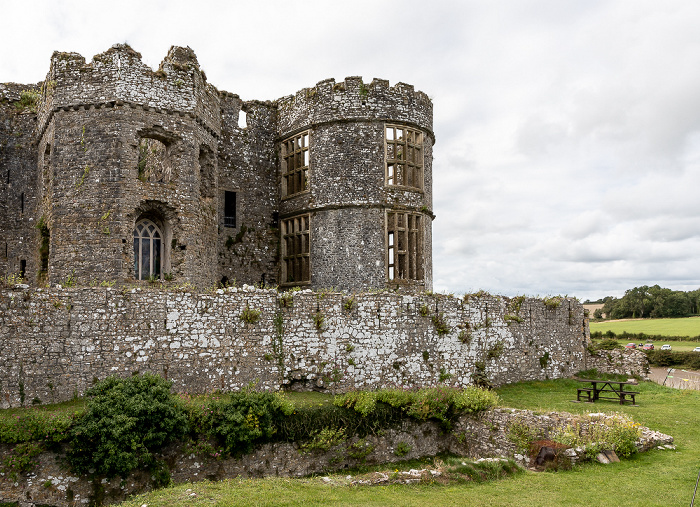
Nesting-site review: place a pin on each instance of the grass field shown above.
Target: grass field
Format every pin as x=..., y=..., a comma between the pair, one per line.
x=655, y=478
x=689, y=326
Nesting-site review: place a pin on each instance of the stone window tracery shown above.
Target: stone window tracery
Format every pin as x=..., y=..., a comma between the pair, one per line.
x=404, y=156
x=295, y=164
x=295, y=250
x=404, y=246
x=148, y=250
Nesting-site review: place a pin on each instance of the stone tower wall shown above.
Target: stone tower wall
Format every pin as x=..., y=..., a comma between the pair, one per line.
x=348, y=198
x=19, y=196
x=94, y=194
x=248, y=166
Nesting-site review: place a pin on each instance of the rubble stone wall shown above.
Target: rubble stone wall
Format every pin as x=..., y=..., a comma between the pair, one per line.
x=55, y=343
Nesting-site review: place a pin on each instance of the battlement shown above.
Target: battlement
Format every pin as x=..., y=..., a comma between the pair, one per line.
x=119, y=77
x=352, y=99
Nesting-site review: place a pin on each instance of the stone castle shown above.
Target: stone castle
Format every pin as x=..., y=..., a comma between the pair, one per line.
x=115, y=172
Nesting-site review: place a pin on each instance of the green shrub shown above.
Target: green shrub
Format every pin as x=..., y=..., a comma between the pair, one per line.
x=607, y=344
x=440, y=403
x=126, y=421
x=617, y=432
x=246, y=418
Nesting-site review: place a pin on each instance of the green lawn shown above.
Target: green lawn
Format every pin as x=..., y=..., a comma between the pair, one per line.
x=654, y=478
x=689, y=326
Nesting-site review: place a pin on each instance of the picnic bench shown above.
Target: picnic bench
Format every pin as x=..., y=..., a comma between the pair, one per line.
x=615, y=390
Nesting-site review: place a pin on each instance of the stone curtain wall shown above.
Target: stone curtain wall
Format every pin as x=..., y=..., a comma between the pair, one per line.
x=54, y=343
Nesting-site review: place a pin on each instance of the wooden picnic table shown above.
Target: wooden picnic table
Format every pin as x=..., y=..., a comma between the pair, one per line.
x=610, y=389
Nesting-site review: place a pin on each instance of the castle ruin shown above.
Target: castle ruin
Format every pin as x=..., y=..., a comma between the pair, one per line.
x=115, y=172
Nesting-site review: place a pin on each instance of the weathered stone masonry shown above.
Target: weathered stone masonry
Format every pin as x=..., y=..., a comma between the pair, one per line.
x=55, y=343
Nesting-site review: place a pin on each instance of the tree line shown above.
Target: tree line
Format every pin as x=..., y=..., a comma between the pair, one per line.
x=650, y=302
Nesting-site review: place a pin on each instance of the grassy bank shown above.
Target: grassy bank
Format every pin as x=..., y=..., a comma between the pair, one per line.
x=655, y=478
x=689, y=326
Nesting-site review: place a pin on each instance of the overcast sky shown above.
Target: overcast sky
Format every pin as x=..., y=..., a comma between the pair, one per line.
x=567, y=158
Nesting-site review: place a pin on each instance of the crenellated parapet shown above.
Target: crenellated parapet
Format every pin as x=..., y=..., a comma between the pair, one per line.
x=352, y=99
x=118, y=77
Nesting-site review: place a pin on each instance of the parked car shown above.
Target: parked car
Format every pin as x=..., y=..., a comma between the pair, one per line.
x=648, y=346
x=665, y=346
x=630, y=346
x=696, y=349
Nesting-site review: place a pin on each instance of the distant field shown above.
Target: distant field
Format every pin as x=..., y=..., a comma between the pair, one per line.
x=689, y=326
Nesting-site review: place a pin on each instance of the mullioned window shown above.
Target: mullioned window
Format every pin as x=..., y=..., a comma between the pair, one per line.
x=404, y=156
x=295, y=250
x=295, y=164
x=404, y=246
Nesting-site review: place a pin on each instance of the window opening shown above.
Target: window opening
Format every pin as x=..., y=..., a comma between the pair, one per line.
x=242, y=119
x=22, y=268
x=404, y=156
x=404, y=246
x=154, y=163
x=46, y=169
x=44, y=247
x=229, y=209
x=148, y=250
x=206, y=172
x=295, y=164
x=21, y=203
x=295, y=249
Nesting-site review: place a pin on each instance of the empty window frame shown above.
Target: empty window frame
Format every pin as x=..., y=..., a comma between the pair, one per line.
x=229, y=209
x=154, y=162
x=295, y=164
x=148, y=250
x=404, y=246
x=404, y=156
x=295, y=250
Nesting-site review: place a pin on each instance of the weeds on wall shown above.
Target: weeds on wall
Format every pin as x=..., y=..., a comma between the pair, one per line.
x=441, y=326
x=250, y=316
x=553, y=302
x=544, y=360
x=22, y=459
x=319, y=320
x=479, y=378
x=424, y=311
x=349, y=303
x=465, y=336
x=27, y=101
x=495, y=351
x=402, y=449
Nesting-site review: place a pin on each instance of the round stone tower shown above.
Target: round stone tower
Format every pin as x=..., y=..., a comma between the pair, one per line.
x=356, y=186
x=127, y=168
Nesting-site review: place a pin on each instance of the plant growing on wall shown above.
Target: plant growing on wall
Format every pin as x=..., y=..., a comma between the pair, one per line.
x=544, y=360
x=250, y=316
x=495, y=351
x=319, y=320
x=349, y=303
x=440, y=324
x=465, y=336
x=552, y=303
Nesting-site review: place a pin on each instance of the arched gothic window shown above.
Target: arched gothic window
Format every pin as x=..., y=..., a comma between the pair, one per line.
x=148, y=250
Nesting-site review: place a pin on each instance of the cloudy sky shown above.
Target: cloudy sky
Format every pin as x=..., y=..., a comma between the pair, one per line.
x=567, y=158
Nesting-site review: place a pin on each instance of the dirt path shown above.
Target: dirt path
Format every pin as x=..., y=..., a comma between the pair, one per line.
x=680, y=379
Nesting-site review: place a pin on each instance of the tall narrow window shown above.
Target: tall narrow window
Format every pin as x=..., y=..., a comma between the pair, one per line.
x=295, y=250
x=295, y=164
x=207, y=168
x=229, y=209
x=21, y=203
x=404, y=157
x=404, y=246
x=22, y=268
x=148, y=250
